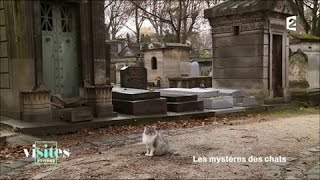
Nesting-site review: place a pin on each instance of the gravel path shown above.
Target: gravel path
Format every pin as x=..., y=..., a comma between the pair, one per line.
x=292, y=144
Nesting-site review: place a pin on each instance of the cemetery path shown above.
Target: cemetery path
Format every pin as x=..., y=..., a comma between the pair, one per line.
x=291, y=143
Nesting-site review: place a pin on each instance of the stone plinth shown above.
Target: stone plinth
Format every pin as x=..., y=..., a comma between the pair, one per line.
x=246, y=101
x=190, y=82
x=100, y=98
x=36, y=105
x=78, y=114
x=221, y=102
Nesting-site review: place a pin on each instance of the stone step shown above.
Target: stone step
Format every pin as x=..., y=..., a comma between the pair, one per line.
x=5, y=135
x=133, y=94
x=185, y=106
x=74, y=114
x=179, y=97
x=140, y=107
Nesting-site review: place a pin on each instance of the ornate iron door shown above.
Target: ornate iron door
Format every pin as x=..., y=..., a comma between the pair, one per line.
x=59, y=49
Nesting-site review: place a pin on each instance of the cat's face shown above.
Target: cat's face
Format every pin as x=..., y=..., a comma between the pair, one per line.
x=150, y=130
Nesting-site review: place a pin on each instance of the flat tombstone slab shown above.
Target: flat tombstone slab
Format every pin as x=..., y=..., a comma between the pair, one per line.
x=141, y=107
x=221, y=102
x=133, y=94
x=194, y=69
x=179, y=97
x=134, y=77
x=200, y=92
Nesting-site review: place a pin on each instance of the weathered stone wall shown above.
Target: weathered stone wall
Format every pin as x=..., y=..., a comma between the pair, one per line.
x=312, y=51
x=154, y=73
x=242, y=57
x=241, y=61
x=17, y=58
x=176, y=63
x=172, y=62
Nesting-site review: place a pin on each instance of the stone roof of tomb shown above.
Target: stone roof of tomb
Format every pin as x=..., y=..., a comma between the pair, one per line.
x=235, y=7
x=130, y=50
x=163, y=45
x=301, y=37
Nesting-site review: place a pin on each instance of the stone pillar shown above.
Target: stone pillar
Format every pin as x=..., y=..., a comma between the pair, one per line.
x=36, y=105
x=100, y=99
x=99, y=90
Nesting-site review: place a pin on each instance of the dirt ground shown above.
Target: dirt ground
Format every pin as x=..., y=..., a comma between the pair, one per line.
x=285, y=140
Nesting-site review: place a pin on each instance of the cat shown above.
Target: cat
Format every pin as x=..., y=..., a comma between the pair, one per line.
x=156, y=143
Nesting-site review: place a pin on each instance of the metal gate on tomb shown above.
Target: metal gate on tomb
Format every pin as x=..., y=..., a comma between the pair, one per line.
x=59, y=49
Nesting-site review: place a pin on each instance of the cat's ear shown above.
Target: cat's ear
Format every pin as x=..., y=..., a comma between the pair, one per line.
x=155, y=127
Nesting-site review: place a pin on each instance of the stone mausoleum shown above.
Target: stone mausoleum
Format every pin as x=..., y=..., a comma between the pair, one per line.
x=250, y=46
x=166, y=60
x=54, y=61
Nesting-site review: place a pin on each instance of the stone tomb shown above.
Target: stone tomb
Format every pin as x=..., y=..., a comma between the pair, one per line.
x=182, y=103
x=134, y=77
x=209, y=96
x=240, y=99
x=138, y=102
x=200, y=92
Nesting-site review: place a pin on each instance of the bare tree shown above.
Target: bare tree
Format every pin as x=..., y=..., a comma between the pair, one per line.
x=308, y=12
x=139, y=18
x=157, y=8
x=180, y=16
x=116, y=13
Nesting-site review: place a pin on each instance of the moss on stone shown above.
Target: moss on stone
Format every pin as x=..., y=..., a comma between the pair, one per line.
x=304, y=36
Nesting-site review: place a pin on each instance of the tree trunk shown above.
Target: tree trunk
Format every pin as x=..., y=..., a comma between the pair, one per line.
x=318, y=28
x=314, y=25
x=137, y=25
x=178, y=31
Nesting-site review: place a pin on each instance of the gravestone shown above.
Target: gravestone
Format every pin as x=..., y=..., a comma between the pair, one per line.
x=298, y=64
x=134, y=77
x=194, y=69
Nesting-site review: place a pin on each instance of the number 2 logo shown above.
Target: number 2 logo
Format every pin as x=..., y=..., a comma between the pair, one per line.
x=292, y=23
